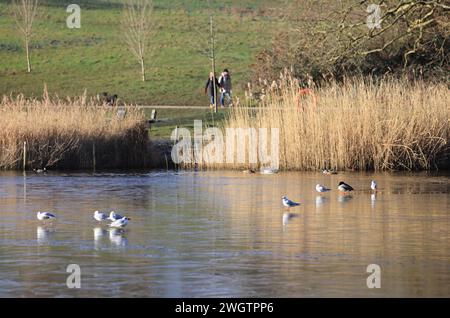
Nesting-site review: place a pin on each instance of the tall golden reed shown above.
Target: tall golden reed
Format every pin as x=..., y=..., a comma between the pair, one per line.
x=65, y=134
x=355, y=125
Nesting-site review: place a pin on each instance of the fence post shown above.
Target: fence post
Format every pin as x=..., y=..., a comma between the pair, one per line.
x=174, y=143
x=24, y=156
x=167, y=163
x=93, y=155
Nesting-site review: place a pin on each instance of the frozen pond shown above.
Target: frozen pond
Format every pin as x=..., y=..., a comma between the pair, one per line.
x=225, y=234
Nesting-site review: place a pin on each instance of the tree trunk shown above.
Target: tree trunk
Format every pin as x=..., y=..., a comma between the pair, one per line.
x=143, y=69
x=213, y=60
x=27, y=49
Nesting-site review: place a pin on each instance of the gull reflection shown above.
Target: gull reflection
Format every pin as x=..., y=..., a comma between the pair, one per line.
x=116, y=236
x=320, y=200
x=99, y=234
x=345, y=198
x=287, y=217
x=373, y=199
x=44, y=234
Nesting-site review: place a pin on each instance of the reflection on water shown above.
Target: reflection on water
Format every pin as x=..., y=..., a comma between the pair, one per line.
x=225, y=234
x=44, y=234
x=99, y=236
x=373, y=199
x=117, y=238
x=320, y=200
x=287, y=217
x=345, y=198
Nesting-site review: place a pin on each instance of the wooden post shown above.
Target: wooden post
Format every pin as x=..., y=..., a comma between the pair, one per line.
x=167, y=163
x=93, y=155
x=153, y=115
x=24, y=156
x=176, y=140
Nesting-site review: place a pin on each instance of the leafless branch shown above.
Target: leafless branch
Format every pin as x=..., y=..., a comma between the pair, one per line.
x=25, y=12
x=138, y=27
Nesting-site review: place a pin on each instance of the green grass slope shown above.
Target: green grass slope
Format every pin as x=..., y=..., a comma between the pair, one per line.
x=95, y=58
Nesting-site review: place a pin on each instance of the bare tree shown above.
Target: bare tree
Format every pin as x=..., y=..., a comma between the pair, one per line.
x=25, y=12
x=138, y=26
x=334, y=39
x=412, y=21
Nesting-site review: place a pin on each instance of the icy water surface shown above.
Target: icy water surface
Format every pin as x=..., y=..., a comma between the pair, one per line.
x=225, y=234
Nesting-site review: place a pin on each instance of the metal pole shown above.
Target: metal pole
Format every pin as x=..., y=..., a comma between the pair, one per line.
x=213, y=55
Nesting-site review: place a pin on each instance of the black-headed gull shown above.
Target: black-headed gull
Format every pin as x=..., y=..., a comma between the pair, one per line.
x=113, y=216
x=288, y=203
x=344, y=187
x=268, y=171
x=373, y=185
x=321, y=189
x=120, y=223
x=41, y=216
x=100, y=216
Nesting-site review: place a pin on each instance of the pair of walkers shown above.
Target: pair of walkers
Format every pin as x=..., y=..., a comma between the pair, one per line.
x=223, y=84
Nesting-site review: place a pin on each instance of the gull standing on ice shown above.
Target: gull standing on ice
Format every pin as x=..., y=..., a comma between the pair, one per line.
x=113, y=216
x=288, y=203
x=321, y=189
x=268, y=171
x=100, y=216
x=373, y=185
x=120, y=223
x=41, y=216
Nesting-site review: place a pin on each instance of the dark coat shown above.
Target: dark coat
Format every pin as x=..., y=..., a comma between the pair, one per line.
x=209, y=88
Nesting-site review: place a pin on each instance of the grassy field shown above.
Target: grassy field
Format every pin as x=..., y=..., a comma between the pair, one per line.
x=94, y=58
x=170, y=118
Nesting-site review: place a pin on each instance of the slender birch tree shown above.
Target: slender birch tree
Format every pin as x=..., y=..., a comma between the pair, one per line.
x=138, y=26
x=25, y=12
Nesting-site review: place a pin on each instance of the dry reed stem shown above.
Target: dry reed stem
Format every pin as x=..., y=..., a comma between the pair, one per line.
x=60, y=133
x=357, y=125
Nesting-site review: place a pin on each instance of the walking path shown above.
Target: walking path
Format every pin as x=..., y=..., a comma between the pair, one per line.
x=173, y=107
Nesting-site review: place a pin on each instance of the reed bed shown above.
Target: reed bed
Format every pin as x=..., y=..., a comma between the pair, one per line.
x=355, y=125
x=70, y=134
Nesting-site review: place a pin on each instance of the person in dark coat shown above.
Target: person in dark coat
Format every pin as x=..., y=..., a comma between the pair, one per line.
x=211, y=88
x=109, y=100
x=225, y=87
